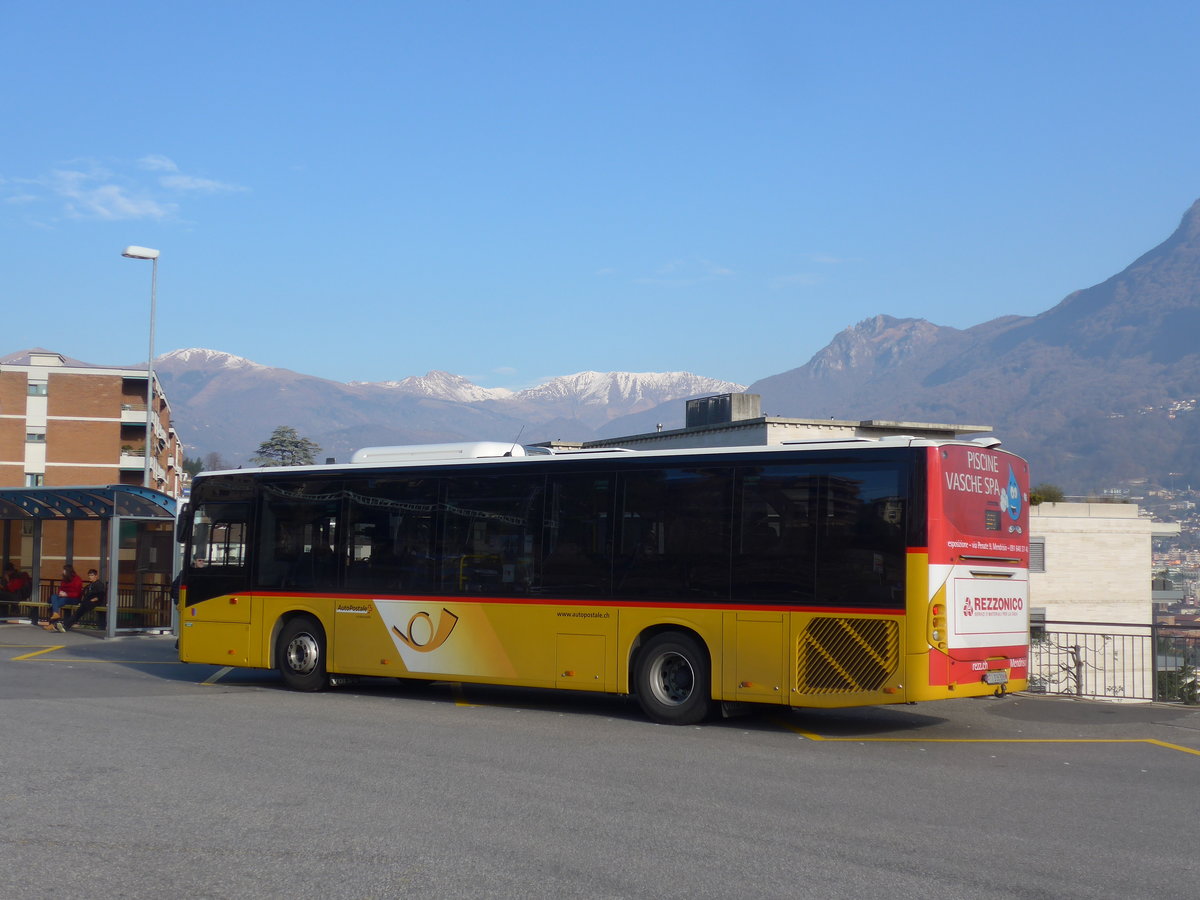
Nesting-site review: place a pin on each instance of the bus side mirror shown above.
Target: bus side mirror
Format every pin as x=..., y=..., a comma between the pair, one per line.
x=183, y=529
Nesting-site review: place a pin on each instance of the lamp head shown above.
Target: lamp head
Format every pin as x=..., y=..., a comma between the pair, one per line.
x=139, y=253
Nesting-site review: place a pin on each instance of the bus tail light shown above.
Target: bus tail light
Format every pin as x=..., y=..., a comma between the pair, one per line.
x=937, y=625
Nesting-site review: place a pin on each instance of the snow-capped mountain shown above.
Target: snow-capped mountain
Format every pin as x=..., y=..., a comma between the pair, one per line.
x=443, y=386
x=620, y=393
x=197, y=357
x=218, y=402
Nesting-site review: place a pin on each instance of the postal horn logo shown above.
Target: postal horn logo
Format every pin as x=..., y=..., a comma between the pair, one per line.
x=421, y=634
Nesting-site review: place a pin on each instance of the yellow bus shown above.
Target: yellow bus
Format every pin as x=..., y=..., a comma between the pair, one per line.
x=804, y=575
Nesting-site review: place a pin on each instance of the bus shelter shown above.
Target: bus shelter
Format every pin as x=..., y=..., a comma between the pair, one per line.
x=125, y=532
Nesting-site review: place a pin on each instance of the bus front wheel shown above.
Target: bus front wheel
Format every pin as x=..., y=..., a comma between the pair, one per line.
x=300, y=654
x=672, y=679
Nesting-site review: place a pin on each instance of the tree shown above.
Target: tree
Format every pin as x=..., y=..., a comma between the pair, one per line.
x=193, y=465
x=215, y=462
x=1045, y=493
x=286, y=448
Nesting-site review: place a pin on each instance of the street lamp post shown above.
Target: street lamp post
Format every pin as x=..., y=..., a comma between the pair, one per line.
x=152, y=255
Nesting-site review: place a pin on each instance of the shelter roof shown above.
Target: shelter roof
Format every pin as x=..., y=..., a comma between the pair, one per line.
x=86, y=502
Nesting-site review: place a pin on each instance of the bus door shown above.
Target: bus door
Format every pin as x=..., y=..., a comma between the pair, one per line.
x=215, y=603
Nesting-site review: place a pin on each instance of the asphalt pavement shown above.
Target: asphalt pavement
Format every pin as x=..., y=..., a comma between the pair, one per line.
x=130, y=774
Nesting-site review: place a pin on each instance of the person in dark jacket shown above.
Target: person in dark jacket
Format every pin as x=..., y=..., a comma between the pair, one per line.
x=92, y=596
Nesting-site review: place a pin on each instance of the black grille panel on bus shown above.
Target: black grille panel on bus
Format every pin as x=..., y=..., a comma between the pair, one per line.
x=842, y=656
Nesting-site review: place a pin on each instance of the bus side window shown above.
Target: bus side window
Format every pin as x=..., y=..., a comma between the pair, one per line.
x=298, y=536
x=861, y=560
x=675, y=534
x=218, y=536
x=392, y=523
x=577, y=537
x=491, y=534
x=774, y=554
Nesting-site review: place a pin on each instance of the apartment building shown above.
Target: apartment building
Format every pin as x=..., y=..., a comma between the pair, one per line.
x=65, y=422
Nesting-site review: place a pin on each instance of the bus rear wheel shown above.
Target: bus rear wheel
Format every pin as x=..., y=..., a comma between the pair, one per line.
x=300, y=654
x=672, y=679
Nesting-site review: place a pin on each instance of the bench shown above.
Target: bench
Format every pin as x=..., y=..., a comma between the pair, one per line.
x=141, y=615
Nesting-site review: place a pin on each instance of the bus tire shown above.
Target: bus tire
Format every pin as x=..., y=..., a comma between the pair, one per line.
x=672, y=679
x=300, y=654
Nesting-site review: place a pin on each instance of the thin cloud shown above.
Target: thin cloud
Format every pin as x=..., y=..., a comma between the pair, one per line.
x=86, y=189
x=685, y=273
x=84, y=197
x=192, y=183
x=156, y=162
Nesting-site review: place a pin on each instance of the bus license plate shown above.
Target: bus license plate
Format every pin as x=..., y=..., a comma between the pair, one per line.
x=995, y=676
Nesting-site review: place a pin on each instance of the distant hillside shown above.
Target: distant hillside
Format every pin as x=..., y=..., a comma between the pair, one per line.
x=229, y=405
x=1098, y=389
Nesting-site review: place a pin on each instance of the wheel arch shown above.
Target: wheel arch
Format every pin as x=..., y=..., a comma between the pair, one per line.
x=652, y=631
x=281, y=622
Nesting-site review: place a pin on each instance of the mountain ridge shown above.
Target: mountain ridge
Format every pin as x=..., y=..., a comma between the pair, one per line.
x=1099, y=388
x=218, y=401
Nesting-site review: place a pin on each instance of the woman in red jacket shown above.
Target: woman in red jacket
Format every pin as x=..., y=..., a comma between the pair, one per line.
x=69, y=591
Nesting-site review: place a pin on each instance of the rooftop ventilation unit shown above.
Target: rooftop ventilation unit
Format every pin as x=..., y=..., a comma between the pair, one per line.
x=722, y=409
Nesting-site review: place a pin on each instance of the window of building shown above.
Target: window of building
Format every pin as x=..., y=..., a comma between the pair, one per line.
x=34, y=479
x=38, y=389
x=1037, y=554
x=35, y=437
x=1037, y=623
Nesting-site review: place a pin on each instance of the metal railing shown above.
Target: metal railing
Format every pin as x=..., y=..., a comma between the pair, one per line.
x=146, y=607
x=1115, y=661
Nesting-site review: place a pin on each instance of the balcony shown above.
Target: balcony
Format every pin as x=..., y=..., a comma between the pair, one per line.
x=132, y=414
x=132, y=460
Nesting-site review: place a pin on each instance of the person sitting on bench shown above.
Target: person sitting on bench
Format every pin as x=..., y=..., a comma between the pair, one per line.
x=92, y=596
x=17, y=587
x=69, y=590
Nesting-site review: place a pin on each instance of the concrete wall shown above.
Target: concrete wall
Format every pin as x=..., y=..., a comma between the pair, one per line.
x=1097, y=562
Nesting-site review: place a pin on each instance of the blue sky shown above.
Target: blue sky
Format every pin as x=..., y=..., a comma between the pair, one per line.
x=513, y=191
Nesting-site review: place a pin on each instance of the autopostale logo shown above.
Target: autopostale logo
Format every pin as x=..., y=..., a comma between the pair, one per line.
x=422, y=634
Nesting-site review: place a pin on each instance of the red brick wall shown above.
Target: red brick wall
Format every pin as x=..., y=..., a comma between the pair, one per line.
x=13, y=390
x=82, y=442
x=12, y=440
x=84, y=395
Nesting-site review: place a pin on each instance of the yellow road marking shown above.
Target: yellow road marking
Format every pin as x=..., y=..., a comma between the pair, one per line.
x=813, y=736
x=1173, y=747
x=216, y=676
x=37, y=652
x=42, y=651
